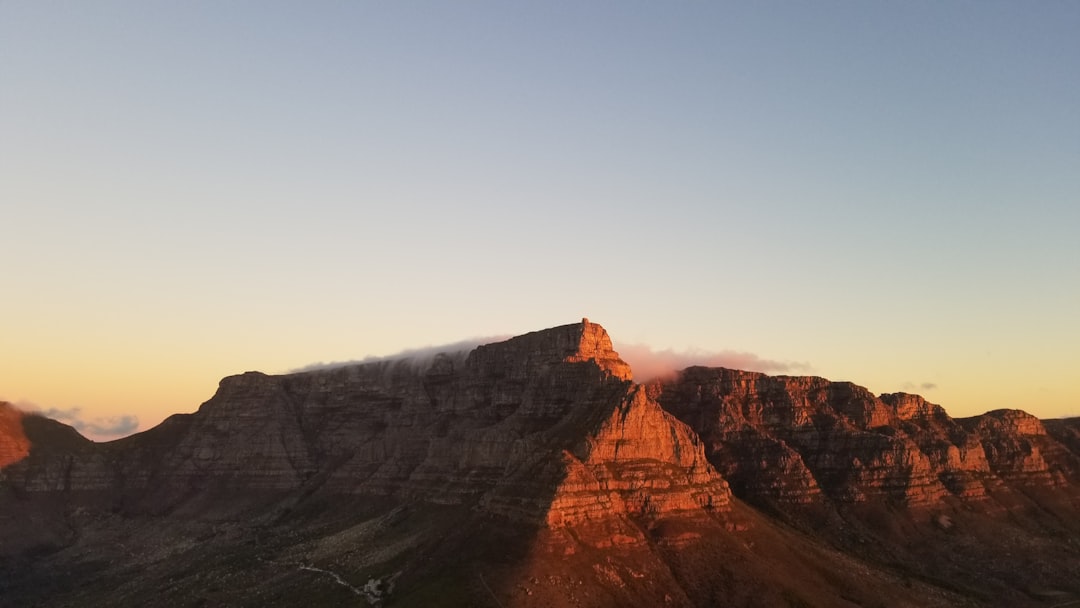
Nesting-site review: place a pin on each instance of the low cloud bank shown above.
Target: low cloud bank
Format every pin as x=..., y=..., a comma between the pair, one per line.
x=99, y=428
x=420, y=358
x=646, y=362
x=649, y=363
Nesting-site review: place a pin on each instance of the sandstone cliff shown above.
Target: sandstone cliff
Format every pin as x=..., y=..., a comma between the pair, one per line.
x=803, y=439
x=14, y=446
x=545, y=427
x=535, y=472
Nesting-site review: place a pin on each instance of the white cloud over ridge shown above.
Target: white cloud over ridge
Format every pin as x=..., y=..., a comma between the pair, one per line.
x=650, y=364
x=99, y=428
x=420, y=358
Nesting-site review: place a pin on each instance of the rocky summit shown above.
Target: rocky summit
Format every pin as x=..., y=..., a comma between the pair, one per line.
x=536, y=472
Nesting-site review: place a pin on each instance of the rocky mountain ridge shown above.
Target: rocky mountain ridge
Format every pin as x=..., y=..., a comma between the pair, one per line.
x=806, y=439
x=539, y=458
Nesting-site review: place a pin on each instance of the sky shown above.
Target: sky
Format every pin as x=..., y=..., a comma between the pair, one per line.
x=883, y=193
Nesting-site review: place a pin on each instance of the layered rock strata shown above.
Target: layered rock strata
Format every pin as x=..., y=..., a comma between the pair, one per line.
x=782, y=439
x=545, y=427
x=1020, y=451
x=534, y=472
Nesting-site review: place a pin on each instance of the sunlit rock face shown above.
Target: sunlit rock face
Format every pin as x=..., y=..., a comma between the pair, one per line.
x=794, y=440
x=1021, y=452
x=14, y=446
x=801, y=439
x=956, y=456
x=549, y=427
x=739, y=426
x=640, y=461
x=545, y=427
x=535, y=472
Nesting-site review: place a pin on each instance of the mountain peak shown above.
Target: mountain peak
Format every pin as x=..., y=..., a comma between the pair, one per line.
x=594, y=344
x=573, y=343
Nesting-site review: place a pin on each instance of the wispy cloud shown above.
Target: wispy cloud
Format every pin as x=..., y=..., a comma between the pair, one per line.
x=649, y=363
x=419, y=357
x=646, y=362
x=924, y=386
x=98, y=428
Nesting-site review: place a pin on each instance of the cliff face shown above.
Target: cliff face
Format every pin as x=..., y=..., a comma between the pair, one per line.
x=39, y=454
x=545, y=427
x=1066, y=431
x=803, y=440
x=535, y=472
x=14, y=446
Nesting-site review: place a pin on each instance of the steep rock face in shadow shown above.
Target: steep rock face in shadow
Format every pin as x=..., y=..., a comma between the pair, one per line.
x=50, y=455
x=1066, y=431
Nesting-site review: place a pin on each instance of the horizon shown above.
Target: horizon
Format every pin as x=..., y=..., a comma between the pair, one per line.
x=883, y=194
x=659, y=364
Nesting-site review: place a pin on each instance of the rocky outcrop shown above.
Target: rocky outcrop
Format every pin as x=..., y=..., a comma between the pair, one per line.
x=738, y=432
x=549, y=427
x=640, y=461
x=790, y=440
x=956, y=456
x=545, y=427
x=535, y=472
x=44, y=455
x=14, y=446
x=1020, y=451
x=801, y=439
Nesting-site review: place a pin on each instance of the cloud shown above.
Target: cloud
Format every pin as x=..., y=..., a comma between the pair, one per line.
x=420, y=358
x=100, y=428
x=911, y=386
x=649, y=363
x=646, y=362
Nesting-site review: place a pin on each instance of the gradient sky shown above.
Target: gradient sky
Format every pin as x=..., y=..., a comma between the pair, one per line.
x=886, y=193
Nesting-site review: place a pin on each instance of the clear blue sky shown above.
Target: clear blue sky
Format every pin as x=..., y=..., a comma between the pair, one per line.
x=887, y=193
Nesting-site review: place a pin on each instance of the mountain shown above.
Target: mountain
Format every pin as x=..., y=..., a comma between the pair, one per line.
x=536, y=472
